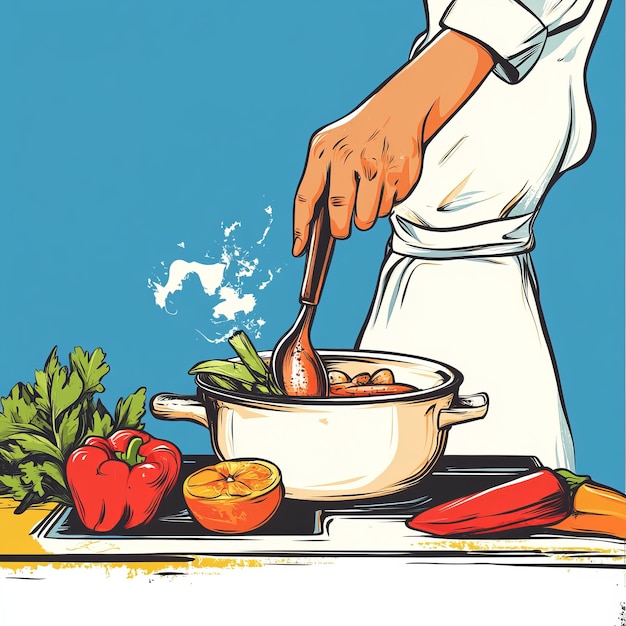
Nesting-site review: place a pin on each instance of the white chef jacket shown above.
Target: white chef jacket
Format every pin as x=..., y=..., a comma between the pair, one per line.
x=458, y=284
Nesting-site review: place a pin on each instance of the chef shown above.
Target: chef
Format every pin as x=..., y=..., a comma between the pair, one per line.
x=459, y=148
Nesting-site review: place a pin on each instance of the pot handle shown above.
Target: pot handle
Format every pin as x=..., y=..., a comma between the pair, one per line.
x=465, y=409
x=170, y=406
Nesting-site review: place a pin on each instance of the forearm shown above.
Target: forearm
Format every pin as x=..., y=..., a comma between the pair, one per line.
x=371, y=159
x=455, y=67
x=435, y=84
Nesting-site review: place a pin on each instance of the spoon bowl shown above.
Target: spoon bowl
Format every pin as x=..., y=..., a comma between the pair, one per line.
x=297, y=368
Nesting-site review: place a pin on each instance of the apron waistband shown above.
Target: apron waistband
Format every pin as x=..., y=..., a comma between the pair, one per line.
x=507, y=236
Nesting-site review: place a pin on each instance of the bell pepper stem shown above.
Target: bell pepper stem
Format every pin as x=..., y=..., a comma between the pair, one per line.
x=131, y=454
x=573, y=481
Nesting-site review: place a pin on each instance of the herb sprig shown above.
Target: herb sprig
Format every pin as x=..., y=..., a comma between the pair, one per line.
x=252, y=375
x=42, y=423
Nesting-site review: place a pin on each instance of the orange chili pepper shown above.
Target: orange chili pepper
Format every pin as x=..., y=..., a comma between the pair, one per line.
x=350, y=389
x=597, y=509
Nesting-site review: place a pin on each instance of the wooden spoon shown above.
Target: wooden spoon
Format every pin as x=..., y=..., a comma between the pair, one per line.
x=297, y=368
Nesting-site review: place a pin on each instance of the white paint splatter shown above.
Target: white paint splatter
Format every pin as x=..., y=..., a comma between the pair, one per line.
x=233, y=302
x=219, y=339
x=267, y=230
x=269, y=211
x=229, y=229
x=265, y=283
x=210, y=276
x=247, y=268
x=231, y=277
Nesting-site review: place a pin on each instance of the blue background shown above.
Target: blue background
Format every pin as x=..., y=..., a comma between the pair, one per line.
x=127, y=127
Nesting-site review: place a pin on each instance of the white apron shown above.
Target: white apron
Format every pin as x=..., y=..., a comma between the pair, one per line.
x=457, y=284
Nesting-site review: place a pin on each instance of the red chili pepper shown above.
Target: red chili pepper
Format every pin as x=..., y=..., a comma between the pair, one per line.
x=541, y=498
x=121, y=480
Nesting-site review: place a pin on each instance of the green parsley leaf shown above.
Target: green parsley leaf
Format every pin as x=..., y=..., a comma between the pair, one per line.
x=91, y=368
x=129, y=411
x=13, y=485
x=41, y=424
x=33, y=444
x=40, y=475
x=18, y=407
x=68, y=429
x=101, y=422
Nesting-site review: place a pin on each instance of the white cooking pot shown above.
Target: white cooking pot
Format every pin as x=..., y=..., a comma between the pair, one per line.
x=337, y=448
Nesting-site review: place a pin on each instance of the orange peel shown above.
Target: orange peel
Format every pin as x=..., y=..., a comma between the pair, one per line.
x=235, y=496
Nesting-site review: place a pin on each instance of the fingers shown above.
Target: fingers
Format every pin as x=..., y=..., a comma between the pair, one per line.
x=378, y=194
x=360, y=186
x=367, y=203
x=369, y=191
x=309, y=191
x=400, y=180
x=341, y=197
x=342, y=189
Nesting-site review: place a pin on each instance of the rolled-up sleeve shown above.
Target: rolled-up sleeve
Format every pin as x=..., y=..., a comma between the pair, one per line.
x=514, y=35
x=514, y=32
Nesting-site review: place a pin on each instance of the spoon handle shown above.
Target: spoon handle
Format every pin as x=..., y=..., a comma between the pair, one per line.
x=320, y=251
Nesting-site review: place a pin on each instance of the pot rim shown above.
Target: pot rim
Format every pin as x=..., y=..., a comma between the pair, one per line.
x=452, y=381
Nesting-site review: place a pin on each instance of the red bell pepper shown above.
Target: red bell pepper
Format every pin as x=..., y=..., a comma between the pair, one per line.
x=537, y=499
x=121, y=481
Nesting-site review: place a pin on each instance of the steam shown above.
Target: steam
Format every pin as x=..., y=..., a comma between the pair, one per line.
x=231, y=276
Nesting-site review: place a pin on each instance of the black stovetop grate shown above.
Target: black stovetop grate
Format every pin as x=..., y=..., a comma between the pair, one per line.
x=452, y=477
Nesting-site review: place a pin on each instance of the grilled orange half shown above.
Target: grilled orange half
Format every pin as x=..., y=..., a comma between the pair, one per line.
x=234, y=496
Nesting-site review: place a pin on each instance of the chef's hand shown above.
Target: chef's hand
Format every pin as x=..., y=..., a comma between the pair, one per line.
x=371, y=159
